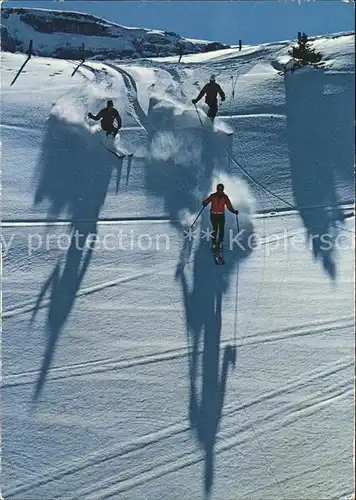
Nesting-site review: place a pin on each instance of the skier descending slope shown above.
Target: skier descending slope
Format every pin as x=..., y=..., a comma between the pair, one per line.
x=107, y=116
x=211, y=91
x=218, y=202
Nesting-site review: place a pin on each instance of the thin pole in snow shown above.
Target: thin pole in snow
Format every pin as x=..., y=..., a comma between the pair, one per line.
x=237, y=223
x=196, y=109
x=236, y=303
x=29, y=55
x=197, y=217
x=237, y=288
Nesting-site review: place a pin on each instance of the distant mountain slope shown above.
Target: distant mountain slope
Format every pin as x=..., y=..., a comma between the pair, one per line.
x=61, y=34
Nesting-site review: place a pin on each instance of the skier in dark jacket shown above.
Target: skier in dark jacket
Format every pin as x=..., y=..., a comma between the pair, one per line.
x=211, y=91
x=107, y=116
x=218, y=202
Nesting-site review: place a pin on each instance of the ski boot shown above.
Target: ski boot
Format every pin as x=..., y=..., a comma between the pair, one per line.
x=215, y=252
x=221, y=253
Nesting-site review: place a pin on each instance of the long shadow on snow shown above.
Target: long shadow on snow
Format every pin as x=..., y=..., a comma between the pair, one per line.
x=321, y=149
x=73, y=179
x=203, y=308
x=190, y=159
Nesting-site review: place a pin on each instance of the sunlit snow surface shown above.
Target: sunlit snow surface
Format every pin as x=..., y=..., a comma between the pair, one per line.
x=139, y=369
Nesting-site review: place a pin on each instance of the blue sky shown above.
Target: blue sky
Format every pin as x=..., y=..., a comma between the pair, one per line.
x=253, y=22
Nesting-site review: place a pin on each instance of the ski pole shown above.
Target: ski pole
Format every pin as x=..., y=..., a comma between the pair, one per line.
x=197, y=217
x=237, y=289
x=196, y=109
x=237, y=224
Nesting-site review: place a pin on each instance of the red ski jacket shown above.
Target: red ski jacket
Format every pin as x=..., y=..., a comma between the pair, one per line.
x=218, y=203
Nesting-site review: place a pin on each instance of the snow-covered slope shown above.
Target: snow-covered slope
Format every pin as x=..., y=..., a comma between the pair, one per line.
x=61, y=34
x=139, y=369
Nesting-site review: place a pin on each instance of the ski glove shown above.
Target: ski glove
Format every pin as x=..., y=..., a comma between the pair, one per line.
x=90, y=115
x=194, y=101
x=236, y=212
x=223, y=99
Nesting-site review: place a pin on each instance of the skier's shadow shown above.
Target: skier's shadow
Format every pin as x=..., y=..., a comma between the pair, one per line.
x=178, y=178
x=203, y=308
x=64, y=284
x=74, y=181
x=128, y=171
x=119, y=166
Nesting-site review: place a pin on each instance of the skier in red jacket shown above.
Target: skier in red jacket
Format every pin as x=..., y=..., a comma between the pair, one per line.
x=218, y=202
x=211, y=91
x=107, y=116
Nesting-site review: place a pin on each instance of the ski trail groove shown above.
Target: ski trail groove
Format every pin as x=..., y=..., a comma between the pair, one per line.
x=257, y=183
x=288, y=412
x=265, y=213
x=29, y=306
x=132, y=94
x=115, y=364
x=111, y=486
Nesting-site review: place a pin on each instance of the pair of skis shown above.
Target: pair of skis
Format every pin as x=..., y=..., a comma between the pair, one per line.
x=218, y=255
x=110, y=146
x=212, y=121
x=119, y=153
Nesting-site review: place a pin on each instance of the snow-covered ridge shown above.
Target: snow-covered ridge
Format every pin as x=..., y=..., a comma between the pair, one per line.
x=61, y=34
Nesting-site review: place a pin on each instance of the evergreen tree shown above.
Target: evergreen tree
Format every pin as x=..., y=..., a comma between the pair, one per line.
x=304, y=52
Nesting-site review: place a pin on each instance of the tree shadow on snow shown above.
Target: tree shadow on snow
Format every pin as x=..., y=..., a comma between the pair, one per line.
x=320, y=139
x=74, y=181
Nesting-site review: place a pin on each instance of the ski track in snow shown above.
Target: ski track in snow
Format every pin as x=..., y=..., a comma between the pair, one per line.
x=275, y=212
x=132, y=95
x=101, y=366
x=112, y=485
x=288, y=413
x=30, y=306
x=233, y=437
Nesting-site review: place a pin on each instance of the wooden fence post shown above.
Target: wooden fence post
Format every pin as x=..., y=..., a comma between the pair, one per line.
x=29, y=54
x=81, y=62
